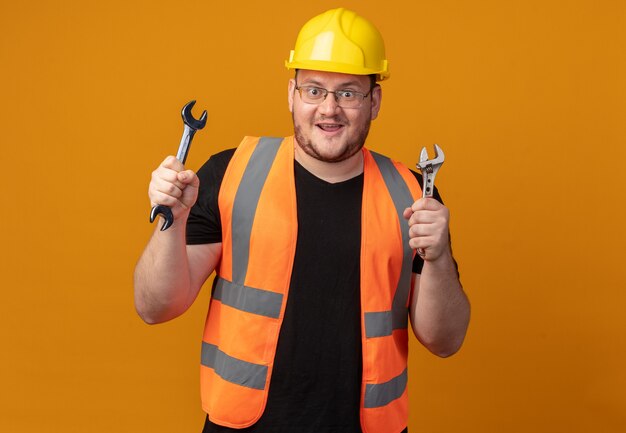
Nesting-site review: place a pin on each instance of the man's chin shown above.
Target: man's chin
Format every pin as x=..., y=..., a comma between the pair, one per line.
x=332, y=156
x=316, y=144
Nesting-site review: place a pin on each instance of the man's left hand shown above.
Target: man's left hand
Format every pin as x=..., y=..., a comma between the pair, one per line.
x=429, y=227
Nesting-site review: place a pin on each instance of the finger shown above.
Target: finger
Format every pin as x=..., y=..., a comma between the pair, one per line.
x=422, y=217
x=407, y=213
x=168, y=188
x=160, y=198
x=419, y=242
x=172, y=163
x=190, y=192
x=166, y=175
x=420, y=230
x=426, y=203
x=188, y=177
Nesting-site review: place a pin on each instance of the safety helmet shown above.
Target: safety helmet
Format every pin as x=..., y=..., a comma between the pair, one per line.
x=339, y=40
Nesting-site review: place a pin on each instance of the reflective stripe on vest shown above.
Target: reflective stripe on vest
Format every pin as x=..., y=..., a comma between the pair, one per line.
x=246, y=202
x=248, y=299
x=381, y=394
x=232, y=369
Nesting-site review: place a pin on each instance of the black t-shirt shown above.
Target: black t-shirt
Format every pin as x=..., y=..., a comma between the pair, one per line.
x=316, y=382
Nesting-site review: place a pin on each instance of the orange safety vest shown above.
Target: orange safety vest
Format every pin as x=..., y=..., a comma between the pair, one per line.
x=257, y=202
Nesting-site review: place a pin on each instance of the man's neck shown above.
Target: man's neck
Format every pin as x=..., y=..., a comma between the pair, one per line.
x=331, y=172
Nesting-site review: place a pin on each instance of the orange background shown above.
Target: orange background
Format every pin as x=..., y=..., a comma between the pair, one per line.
x=527, y=99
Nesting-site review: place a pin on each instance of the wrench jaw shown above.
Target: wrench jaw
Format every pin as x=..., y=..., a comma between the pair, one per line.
x=191, y=125
x=188, y=118
x=423, y=156
x=438, y=159
x=166, y=214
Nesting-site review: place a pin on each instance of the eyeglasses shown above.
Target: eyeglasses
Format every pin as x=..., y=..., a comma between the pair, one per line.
x=345, y=98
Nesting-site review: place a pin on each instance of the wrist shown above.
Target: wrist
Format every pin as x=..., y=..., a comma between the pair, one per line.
x=178, y=224
x=443, y=262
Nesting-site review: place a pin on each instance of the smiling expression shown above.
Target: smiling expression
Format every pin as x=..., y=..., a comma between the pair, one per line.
x=328, y=132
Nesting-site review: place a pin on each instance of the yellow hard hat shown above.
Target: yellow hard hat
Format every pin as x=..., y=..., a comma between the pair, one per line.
x=339, y=40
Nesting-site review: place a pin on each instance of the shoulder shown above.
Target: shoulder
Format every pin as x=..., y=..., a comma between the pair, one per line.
x=204, y=225
x=214, y=168
x=218, y=160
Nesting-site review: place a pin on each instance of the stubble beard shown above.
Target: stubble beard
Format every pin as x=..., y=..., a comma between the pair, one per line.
x=352, y=146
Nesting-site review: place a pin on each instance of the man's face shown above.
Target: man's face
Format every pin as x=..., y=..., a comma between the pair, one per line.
x=328, y=132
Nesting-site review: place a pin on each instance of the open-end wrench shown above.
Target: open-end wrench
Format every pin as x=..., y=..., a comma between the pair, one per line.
x=429, y=169
x=191, y=126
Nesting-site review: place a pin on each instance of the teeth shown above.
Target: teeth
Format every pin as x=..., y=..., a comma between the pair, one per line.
x=329, y=127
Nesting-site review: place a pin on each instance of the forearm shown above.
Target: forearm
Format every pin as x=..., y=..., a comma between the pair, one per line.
x=162, y=278
x=440, y=310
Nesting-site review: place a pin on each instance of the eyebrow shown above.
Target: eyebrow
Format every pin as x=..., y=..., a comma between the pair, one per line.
x=340, y=86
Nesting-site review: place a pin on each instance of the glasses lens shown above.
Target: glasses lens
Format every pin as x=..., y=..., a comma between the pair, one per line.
x=312, y=95
x=349, y=99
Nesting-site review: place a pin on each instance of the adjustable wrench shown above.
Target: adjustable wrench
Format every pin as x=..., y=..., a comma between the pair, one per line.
x=429, y=169
x=191, y=126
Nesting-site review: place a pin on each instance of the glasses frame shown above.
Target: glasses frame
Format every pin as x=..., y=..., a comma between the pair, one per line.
x=325, y=92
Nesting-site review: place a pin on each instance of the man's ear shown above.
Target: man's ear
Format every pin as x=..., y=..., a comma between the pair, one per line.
x=291, y=90
x=377, y=96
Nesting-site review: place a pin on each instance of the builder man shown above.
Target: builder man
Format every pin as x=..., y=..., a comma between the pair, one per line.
x=313, y=240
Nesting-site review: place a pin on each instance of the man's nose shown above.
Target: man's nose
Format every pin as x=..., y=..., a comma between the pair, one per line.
x=329, y=104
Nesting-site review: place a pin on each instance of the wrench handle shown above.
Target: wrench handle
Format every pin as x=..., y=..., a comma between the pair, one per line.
x=428, y=176
x=185, y=143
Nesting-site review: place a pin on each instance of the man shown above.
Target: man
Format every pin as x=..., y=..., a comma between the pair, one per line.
x=313, y=239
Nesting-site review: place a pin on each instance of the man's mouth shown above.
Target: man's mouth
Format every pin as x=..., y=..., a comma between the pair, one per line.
x=329, y=127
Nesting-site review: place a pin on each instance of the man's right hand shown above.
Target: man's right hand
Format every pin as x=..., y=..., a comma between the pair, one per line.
x=170, y=273
x=175, y=187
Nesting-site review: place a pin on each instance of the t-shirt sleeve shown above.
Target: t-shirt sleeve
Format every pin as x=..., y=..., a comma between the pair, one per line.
x=204, y=224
